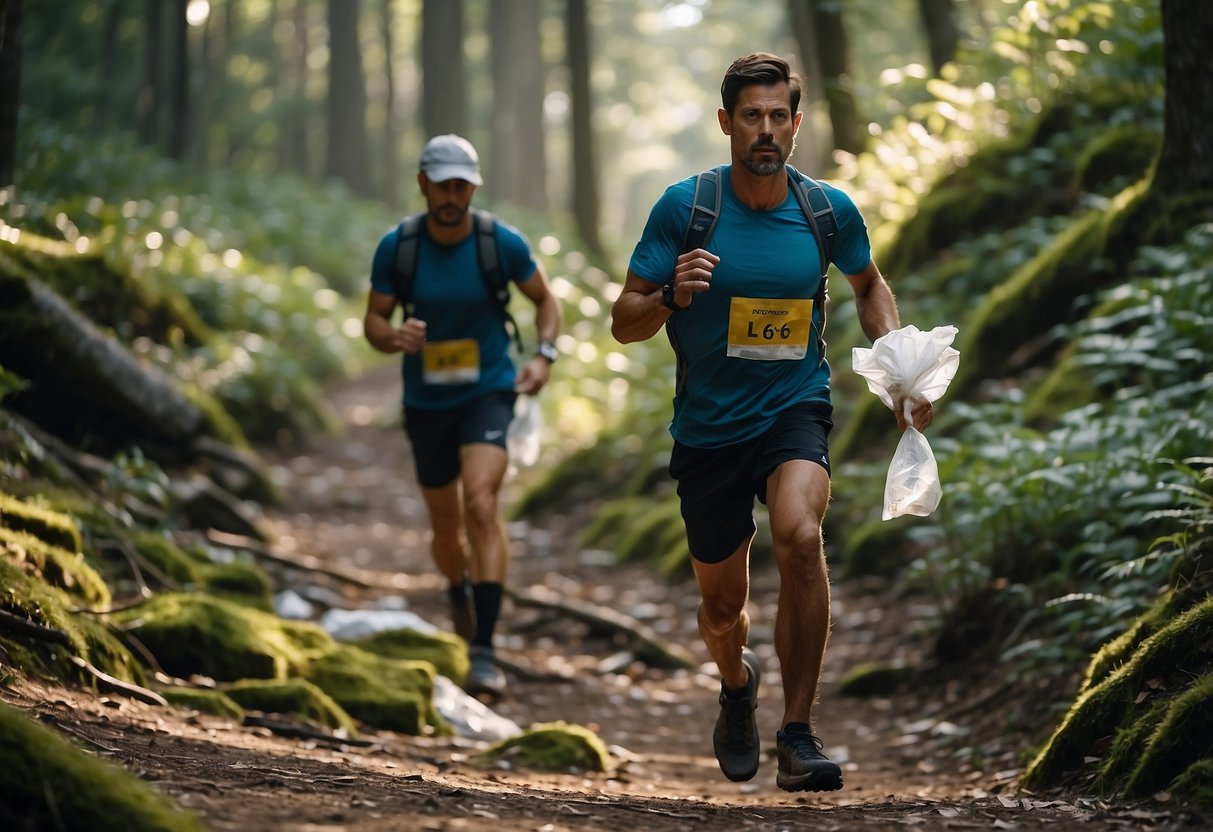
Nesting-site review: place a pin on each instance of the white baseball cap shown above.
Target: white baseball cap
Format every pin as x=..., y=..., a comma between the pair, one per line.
x=450, y=157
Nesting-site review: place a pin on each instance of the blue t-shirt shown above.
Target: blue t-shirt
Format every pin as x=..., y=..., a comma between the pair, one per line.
x=748, y=347
x=466, y=354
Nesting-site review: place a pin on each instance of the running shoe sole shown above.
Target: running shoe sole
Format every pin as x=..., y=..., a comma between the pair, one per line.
x=751, y=662
x=825, y=780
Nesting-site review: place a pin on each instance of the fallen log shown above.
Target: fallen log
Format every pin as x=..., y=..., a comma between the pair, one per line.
x=649, y=647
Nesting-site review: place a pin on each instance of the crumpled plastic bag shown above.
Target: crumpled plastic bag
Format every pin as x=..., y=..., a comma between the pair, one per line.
x=525, y=431
x=907, y=363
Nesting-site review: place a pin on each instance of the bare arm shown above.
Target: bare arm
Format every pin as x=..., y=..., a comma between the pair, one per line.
x=378, y=329
x=535, y=373
x=878, y=316
x=639, y=312
x=875, y=302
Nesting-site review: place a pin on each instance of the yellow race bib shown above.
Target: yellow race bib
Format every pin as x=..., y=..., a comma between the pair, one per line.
x=770, y=329
x=450, y=362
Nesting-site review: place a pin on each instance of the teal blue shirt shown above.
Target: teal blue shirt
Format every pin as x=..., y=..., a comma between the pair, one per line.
x=460, y=317
x=748, y=347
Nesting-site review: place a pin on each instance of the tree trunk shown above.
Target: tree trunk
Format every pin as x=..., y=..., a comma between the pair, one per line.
x=295, y=144
x=585, y=171
x=390, y=189
x=833, y=58
x=939, y=24
x=10, y=87
x=444, y=99
x=1185, y=164
x=517, y=170
x=811, y=144
x=348, y=157
x=179, y=105
x=148, y=106
x=109, y=59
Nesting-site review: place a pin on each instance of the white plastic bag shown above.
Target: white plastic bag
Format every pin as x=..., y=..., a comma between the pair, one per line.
x=526, y=429
x=902, y=365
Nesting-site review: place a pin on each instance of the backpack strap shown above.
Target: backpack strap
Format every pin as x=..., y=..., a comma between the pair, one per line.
x=408, y=235
x=495, y=281
x=820, y=213
x=705, y=209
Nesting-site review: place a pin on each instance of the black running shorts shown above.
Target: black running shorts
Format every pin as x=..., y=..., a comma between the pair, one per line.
x=717, y=486
x=437, y=435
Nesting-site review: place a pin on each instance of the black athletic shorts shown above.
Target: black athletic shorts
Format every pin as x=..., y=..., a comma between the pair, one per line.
x=437, y=435
x=717, y=486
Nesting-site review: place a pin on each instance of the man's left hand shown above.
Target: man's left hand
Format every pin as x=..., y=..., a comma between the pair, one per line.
x=921, y=411
x=533, y=375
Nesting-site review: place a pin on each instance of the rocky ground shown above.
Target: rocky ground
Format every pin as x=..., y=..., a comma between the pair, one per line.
x=939, y=756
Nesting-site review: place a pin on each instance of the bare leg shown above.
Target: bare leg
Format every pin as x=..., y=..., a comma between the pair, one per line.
x=448, y=544
x=484, y=468
x=797, y=495
x=723, y=621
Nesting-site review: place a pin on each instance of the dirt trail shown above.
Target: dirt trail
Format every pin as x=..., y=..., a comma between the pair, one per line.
x=352, y=500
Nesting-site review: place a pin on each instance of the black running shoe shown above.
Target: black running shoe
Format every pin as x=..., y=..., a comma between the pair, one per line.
x=735, y=739
x=802, y=766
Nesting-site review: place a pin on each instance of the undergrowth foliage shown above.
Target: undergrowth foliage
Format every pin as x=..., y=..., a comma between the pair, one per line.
x=1079, y=526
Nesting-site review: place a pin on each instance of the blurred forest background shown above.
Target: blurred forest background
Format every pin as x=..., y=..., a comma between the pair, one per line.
x=205, y=182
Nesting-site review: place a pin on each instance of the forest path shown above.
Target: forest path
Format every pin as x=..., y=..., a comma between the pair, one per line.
x=352, y=501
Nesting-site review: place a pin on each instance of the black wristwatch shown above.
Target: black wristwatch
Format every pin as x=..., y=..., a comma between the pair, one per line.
x=547, y=349
x=667, y=298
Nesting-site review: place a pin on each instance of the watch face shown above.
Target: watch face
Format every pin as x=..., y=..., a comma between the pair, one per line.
x=549, y=351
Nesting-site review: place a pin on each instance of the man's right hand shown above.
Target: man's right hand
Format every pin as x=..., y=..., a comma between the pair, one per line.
x=693, y=274
x=409, y=336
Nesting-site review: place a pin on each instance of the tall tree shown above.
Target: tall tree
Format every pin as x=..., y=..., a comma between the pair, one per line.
x=813, y=149
x=179, y=110
x=148, y=106
x=391, y=130
x=444, y=98
x=348, y=155
x=102, y=117
x=585, y=171
x=1185, y=163
x=294, y=128
x=830, y=45
x=517, y=169
x=939, y=24
x=10, y=86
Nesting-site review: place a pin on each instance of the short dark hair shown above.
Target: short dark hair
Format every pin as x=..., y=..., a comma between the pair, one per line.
x=758, y=68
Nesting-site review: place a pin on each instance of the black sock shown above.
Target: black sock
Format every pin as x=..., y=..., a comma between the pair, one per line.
x=459, y=594
x=797, y=728
x=487, y=598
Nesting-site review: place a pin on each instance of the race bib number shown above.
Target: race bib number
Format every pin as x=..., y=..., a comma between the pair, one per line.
x=451, y=362
x=770, y=329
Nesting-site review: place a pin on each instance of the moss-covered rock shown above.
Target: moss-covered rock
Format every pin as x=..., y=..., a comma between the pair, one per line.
x=213, y=702
x=54, y=527
x=189, y=568
x=191, y=633
x=1172, y=664
x=296, y=697
x=58, y=567
x=47, y=780
x=445, y=651
x=395, y=694
x=552, y=746
x=875, y=679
